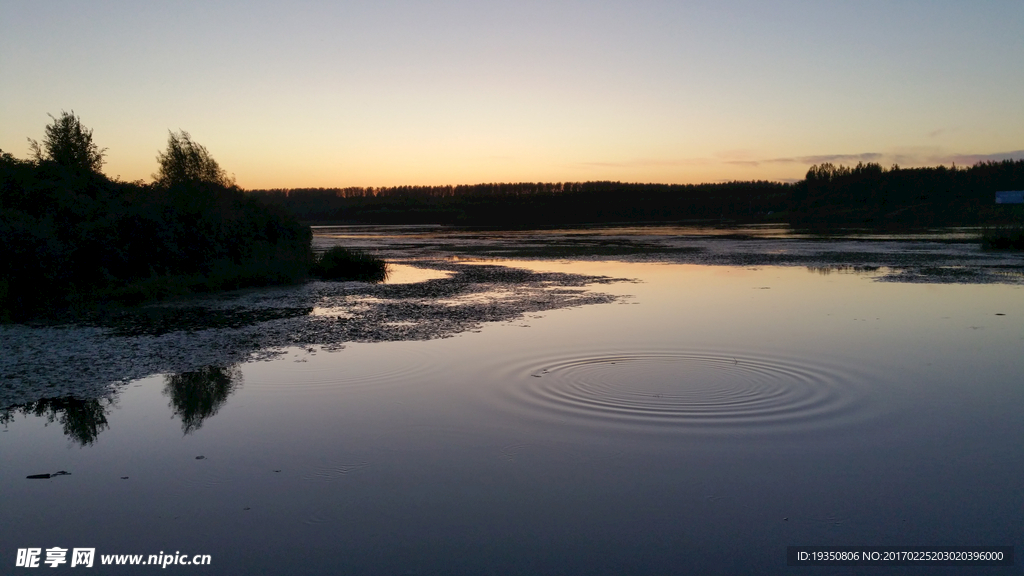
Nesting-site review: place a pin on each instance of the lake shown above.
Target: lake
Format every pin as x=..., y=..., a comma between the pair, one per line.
x=616, y=400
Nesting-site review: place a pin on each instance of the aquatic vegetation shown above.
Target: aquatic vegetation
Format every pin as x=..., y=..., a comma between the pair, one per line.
x=1003, y=238
x=339, y=263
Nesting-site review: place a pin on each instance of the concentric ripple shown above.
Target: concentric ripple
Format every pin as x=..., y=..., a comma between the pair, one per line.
x=709, y=391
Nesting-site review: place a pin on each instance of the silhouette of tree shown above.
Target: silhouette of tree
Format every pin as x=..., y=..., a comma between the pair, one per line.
x=189, y=163
x=68, y=144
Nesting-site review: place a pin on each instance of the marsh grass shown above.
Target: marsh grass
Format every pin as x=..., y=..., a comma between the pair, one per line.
x=340, y=263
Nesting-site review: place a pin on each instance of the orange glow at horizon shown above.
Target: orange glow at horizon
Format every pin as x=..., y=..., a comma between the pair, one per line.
x=452, y=92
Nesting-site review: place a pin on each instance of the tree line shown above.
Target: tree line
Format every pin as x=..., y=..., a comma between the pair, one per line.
x=869, y=193
x=529, y=203
x=866, y=194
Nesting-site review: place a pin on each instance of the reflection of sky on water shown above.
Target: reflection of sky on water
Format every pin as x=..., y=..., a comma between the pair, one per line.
x=405, y=274
x=452, y=456
x=752, y=231
x=948, y=255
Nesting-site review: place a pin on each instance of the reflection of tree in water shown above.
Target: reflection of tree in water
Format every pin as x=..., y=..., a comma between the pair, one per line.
x=82, y=420
x=195, y=396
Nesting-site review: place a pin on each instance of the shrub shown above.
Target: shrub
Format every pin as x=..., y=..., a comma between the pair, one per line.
x=1003, y=238
x=339, y=263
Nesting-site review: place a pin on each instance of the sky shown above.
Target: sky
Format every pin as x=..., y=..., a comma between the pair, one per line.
x=388, y=93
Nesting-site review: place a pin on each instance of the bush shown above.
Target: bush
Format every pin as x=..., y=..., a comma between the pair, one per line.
x=1003, y=238
x=339, y=263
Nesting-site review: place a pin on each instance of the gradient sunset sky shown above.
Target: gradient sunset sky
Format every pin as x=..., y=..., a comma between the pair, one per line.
x=382, y=93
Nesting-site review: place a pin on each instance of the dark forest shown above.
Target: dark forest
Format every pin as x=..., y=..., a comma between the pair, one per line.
x=864, y=195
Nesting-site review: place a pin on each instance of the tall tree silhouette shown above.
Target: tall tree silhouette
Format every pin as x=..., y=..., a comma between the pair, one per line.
x=186, y=162
x=68, y=144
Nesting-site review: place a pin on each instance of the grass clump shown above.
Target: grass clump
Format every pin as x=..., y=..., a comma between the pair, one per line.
x=340, y=263
x=1004, y=238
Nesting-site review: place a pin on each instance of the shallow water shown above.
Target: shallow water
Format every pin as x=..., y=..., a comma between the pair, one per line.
x=699, y=420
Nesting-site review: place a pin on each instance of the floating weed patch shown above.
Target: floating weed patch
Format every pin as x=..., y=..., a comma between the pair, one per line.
x=843, y=269
x=157, y=320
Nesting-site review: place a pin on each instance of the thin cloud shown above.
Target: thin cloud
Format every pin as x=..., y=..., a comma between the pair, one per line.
x=865, y=157
x=647, y=162
x=819, y=159
x=908, y=158
x=972, y=159
x=912, y=157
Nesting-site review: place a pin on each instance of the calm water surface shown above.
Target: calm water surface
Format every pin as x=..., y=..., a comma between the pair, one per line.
x=707, y=419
